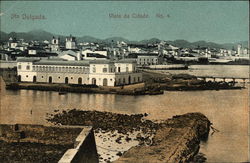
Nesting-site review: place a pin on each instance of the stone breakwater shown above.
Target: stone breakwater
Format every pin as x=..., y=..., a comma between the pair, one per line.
x=172, y=140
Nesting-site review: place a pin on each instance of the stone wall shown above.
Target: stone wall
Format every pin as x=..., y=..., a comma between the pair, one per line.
x=81, y=138
x=39, y=134
x=84, y=150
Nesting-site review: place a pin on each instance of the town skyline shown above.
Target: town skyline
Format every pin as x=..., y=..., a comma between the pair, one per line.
x=131, y=20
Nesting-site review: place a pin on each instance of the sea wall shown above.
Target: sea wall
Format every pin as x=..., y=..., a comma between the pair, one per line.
x=177, y=141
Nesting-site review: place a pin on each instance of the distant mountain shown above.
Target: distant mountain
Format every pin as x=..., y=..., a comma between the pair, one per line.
x=88, y=39
x=150, y=41
x=115, y=39
x=41, y=35
x=180, y=43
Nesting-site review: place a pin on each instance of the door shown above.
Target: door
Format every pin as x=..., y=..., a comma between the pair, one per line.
x=93, y=81
x=50, y=79
x=79, y=80
x=105, y=82
x=66, y=80
x=34, y=79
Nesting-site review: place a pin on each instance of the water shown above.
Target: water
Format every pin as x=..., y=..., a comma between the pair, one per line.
x=226, y=109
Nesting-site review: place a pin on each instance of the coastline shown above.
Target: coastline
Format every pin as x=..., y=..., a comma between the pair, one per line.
x=155, y=83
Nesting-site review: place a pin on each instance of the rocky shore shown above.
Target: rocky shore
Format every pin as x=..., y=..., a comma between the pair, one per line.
x=172, y=140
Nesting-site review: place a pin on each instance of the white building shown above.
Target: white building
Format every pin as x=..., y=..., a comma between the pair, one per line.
x=148, y=60
x=101, y=52
x=70, y=42
x=101, y=73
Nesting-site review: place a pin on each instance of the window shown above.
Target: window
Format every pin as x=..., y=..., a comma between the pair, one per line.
x=104, y=70
x=94, y=69
x=27, y=67
x=27, y=76
x=19, y=67
x=119, y=69
x=126, y=69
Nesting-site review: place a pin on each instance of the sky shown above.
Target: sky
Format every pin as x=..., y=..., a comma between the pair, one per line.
x=215, y=21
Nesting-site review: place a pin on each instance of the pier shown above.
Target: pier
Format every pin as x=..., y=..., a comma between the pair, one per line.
x=224, y=79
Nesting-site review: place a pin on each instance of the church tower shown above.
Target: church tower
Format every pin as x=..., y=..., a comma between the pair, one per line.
x=55, y=44
x=70, y=42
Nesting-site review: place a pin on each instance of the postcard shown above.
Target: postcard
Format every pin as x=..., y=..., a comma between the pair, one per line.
x=124, y=81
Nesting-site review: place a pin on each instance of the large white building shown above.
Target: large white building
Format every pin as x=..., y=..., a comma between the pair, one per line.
x=101, y=73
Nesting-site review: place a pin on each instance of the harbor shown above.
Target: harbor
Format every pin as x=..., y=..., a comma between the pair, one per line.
x=227, y=110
